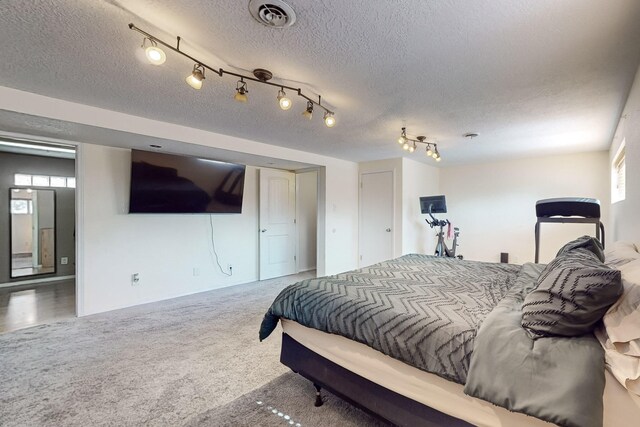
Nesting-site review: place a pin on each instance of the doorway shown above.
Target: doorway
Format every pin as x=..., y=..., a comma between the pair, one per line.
x=37, y=253
x=376, y=217
x=288, y=222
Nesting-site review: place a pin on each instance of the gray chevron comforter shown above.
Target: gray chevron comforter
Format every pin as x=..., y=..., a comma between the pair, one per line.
x=422, y=310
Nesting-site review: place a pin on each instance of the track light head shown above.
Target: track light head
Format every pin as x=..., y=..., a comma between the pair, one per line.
x=241, y=91
x=196, y=77
x=153, y=53
x=403, y=136
x=308, y=113
x=429, y=151
x=329, y=119
x=285, y=103
x=412, y=147
x=405, y=146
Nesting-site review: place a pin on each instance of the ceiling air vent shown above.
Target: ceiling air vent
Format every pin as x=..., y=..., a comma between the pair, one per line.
x=272, y=13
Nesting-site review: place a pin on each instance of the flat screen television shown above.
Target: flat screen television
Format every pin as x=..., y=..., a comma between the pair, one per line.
x=167, y=183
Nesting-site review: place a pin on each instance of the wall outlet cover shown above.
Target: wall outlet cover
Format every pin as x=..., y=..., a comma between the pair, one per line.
x=64, y=260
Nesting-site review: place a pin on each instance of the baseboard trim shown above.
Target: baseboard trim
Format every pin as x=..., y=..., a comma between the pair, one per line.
x=42, y=280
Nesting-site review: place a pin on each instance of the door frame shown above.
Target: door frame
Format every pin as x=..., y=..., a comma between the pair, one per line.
x=297, y=172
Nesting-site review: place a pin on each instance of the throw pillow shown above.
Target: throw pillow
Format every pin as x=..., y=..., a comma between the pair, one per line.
x=574, y=291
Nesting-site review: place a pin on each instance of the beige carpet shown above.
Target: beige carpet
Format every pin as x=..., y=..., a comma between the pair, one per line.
x=286, y=401
x=159, y=364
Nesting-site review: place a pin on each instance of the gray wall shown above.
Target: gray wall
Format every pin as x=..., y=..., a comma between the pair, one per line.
x=11, y=164
x=625, y=214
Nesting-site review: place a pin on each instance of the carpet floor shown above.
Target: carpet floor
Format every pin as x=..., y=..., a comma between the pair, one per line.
x=286, y=401
x=184, y=361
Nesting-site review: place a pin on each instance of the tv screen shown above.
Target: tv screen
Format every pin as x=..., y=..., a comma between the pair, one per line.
x=166, y=183
x=433, y=204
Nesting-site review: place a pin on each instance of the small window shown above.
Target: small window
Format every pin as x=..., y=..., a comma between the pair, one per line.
x=21, y=179
x=21, y=207
x=71, y=182
x=618, y=175
x=40, y=181
x=58, y=181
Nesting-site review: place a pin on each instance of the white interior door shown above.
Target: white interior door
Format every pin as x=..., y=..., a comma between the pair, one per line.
x=376, y=217
x=277, y=223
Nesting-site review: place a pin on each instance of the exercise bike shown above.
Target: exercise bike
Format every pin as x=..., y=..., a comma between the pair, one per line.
x=437, y=204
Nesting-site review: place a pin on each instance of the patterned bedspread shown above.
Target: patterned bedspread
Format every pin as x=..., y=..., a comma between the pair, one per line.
x=422, y=310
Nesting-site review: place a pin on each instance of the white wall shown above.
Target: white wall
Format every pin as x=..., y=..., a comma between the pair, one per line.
x=306, y=219
x=21, y=233
x=494, y=203
x=163, y=249
x=418, y=180
x=625, y=215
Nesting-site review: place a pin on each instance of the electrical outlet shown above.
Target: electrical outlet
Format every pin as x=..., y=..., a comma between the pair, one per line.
x=64, y=260
x=230, y=269
x=135, y=279
x=196, y=271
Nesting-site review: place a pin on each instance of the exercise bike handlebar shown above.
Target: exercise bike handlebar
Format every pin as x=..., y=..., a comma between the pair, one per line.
x=436, y=222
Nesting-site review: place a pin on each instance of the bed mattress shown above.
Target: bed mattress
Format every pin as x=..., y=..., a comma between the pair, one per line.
x=620, y=406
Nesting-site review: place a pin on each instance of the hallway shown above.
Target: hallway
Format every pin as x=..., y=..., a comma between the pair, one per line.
x=29, y=305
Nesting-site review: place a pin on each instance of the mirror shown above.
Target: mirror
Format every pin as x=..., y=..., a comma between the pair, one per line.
x=33, y=231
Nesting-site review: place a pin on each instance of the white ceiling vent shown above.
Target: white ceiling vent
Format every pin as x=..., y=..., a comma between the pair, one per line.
x=272, y=13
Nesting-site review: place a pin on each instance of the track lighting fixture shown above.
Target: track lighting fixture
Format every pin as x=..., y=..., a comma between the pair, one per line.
x=329, y=120
x=411, y=144
x=156, y=56
x=285, y=103
x=196, y=77
x=308, y=113
x=241, y=91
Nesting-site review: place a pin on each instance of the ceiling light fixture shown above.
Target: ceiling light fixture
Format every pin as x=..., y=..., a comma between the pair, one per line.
x=196, y=77
x=308, y=113
x=329, y=120
x=411, y=144
x=59, y=148
x=241, y=91
x=156, y=56
x=285, y=103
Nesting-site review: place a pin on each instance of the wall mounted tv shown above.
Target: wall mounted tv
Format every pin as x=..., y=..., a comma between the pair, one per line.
x=166, y=183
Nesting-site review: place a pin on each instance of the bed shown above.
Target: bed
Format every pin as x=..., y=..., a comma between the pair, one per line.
x=413, y=366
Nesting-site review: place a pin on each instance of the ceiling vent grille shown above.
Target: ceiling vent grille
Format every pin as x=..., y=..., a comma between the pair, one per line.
x=272, y=13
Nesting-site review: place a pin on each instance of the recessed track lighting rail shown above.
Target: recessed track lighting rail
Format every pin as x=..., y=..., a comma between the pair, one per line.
x=156, y=56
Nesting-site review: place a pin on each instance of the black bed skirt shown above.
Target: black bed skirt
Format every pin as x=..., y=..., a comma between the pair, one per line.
x=373, y=398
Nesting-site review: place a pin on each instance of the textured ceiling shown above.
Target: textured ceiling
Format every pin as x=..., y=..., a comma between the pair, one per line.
x=532, y=77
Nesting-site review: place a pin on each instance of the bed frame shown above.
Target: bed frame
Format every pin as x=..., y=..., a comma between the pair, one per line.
x=380, y=402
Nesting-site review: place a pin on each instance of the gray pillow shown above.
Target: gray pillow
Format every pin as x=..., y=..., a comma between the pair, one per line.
x=586, y=242
x=574, y=291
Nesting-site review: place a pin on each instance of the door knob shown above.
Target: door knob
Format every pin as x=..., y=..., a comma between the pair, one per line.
x=388, y=230
x=263, y=230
